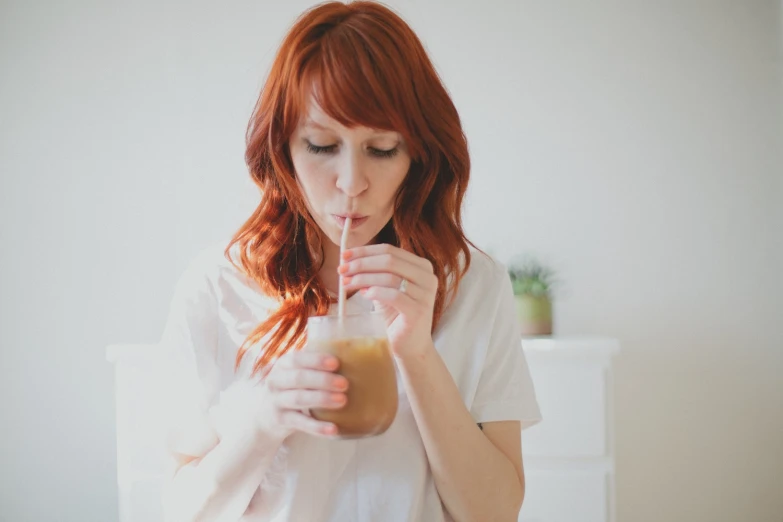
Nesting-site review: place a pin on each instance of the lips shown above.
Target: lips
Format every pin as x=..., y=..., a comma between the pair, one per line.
x=356, y=219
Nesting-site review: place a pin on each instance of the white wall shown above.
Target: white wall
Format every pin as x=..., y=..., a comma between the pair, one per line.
x=631, y=145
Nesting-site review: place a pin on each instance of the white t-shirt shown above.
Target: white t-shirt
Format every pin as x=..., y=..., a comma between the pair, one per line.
x=313, y=479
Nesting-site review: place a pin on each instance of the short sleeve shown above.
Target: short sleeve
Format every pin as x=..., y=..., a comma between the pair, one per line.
x=202, y=407
x=505, y=389
x=205, y=414
x=189, y=344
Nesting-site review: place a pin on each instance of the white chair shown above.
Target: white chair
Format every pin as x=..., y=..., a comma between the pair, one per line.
x=140, y=414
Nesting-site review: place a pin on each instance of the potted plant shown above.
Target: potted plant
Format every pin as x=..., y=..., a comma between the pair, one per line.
x=532, y=283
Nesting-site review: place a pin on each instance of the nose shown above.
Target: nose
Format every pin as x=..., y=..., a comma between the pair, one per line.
x=351, y=177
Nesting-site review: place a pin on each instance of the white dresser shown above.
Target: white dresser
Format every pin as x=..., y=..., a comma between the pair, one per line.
x=569, y=456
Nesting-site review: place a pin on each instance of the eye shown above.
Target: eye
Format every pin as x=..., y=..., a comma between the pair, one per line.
x=316, y=149
x=378, y=153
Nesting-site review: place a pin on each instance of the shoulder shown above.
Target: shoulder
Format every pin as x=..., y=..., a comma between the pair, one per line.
x=484, y=288
x=214, y=274
x=206, y=263
x=485, y=277
x=205, y=270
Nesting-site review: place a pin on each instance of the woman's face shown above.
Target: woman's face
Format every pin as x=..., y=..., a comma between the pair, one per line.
x=348, y=172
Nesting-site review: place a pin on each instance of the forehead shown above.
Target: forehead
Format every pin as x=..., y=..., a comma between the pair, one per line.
x=315, y=118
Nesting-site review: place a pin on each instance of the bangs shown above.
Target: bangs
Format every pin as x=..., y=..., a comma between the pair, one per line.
x=357, y=83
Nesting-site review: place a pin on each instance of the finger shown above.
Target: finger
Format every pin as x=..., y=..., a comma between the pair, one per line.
x=403, y=303
x=297, y=379
x=306, y=399
x=306, y=359
x=299, y=421
x=384, y=248
x=387, y=280
x=389, y=263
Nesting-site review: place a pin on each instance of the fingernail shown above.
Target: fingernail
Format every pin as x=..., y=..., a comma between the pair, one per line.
x=347, y=254
x=341, y=383
x=330, y=363
x=330, y=429
x=338, y=398
x=342, y=269
x=347, y=280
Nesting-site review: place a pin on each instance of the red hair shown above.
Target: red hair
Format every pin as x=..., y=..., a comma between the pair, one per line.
x=364, y=66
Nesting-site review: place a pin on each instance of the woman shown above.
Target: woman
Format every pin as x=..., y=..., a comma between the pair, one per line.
x=353, y=121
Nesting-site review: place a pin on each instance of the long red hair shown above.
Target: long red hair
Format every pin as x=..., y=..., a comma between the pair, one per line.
x=363, y=65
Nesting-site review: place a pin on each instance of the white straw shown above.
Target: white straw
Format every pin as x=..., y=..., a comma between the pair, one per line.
x=341, y=295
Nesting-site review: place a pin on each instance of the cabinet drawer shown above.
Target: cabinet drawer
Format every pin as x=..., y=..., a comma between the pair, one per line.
x=572, y=395
x=565, y=496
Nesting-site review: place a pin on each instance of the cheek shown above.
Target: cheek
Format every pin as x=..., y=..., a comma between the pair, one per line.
x=311, y=177
x=393, y=179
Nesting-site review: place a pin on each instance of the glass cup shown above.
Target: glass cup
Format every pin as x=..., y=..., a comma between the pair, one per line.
x=360, y=344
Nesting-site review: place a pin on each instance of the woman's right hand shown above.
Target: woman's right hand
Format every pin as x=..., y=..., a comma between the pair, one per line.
x=300, y=381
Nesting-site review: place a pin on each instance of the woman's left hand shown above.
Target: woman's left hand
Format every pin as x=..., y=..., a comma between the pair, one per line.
x=378, y=271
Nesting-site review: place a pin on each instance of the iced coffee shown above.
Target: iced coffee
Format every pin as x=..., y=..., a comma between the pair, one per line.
x=359, y=342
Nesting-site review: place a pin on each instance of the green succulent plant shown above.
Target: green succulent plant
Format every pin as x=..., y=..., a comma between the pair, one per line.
x=530, y=277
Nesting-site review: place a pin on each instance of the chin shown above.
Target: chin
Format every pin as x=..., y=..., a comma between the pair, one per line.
x=365, y=234
x=356, y=239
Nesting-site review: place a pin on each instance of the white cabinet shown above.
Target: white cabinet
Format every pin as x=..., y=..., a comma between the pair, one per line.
x=569, y=456
x=139, y=382
x=566, y=496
